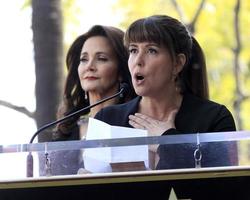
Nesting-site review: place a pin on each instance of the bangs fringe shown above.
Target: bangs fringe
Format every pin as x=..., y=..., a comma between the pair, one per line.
x=143, y=30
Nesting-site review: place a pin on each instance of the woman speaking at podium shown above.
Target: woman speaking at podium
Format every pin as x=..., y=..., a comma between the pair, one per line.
x=168, y=73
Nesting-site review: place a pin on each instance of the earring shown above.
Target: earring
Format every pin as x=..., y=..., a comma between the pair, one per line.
x=178, y=83
x=86, y=96
x=174, y=77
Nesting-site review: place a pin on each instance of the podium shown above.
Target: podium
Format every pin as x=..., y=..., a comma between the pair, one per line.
x=204, y=182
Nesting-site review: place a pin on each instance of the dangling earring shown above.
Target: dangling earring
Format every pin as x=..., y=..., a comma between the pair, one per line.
x=174, y=77
x=177, y=81
x=86, y=96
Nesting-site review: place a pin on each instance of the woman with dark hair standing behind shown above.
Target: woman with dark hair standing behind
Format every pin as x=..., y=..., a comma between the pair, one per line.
x=168, y=72
x=97, y=65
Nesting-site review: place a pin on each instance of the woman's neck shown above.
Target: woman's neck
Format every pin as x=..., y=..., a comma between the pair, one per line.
x=93, y=98
x=160, y=107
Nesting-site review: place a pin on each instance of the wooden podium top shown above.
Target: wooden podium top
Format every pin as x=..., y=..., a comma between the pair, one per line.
x=126, y=177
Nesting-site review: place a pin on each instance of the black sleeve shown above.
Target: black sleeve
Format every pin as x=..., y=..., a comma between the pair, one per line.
x=175, y=156
x=105, y=115
x=214, y=154
x=221, y=153
x=171, y=131
x=99, y=115
x=223, y=121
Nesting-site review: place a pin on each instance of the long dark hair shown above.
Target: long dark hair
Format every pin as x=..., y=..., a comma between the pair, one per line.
x=171, y=33
x=74, y=95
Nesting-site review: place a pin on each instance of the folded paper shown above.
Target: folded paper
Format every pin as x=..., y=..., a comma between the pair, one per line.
x=100, y=159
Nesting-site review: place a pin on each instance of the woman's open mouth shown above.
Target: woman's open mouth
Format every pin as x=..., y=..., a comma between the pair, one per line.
x=139, y=78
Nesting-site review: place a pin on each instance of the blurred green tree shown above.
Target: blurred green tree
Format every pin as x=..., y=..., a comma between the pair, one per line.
x=213, y=24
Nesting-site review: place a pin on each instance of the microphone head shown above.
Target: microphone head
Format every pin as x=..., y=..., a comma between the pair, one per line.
x=124, y=88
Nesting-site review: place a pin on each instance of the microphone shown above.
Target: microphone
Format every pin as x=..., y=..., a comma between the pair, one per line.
x=124, y=88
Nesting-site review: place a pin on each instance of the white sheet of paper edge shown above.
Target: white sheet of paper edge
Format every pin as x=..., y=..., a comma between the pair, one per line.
x=98, y=159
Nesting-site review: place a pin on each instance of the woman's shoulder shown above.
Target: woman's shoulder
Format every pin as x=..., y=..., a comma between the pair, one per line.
x=195, y=102
x=205, y=109
x=208, y=112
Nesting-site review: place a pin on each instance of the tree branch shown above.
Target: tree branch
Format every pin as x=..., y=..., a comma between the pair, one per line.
x=20, y=109
x=191, y=25
x=239, y=94
x=178, y=10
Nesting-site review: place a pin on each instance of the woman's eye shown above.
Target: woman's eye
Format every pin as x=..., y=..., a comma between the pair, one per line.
x=152, y=51
x=102, y=59
x=83, y=60
x=132, y=50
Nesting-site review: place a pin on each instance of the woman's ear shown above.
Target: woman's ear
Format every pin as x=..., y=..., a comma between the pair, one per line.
x=180, y=62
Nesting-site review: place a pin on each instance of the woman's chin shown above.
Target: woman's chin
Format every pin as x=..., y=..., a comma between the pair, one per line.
x=90, y=88
x=140, y=92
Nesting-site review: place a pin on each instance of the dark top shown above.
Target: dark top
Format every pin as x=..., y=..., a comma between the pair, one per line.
x=195, y=115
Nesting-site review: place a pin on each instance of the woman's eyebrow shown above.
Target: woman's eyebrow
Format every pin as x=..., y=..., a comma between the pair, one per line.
x=133, y=45
x=83, y=53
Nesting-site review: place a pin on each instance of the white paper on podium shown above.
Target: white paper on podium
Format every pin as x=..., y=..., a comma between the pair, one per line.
x=98, y=159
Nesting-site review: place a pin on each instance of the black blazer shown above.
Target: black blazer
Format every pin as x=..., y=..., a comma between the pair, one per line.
x=195, y=115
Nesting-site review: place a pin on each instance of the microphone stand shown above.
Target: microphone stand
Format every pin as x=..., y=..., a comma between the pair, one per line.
x=29, y=172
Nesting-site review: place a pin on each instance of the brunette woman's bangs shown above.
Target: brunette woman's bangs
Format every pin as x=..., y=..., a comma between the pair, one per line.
x=143, y=30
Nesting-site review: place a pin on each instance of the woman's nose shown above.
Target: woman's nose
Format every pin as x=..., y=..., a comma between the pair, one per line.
x=139, y=60
x=90, y=65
